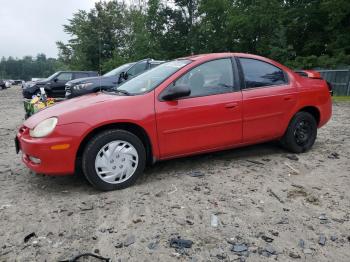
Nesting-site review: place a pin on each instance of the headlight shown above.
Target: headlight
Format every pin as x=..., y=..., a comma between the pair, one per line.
x=82, y=86
x=44, y=128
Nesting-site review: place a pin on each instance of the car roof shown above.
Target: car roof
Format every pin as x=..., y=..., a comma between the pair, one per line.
x=206, y=57
x=77, y=72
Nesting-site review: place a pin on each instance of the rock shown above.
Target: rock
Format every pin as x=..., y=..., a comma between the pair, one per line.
x=189, y=222
x=129, y=240
x=118, y=245
x=97, y=251
x=180, y=243
x=267, y=239
x=137, y=220
x=283, y=221
x=270, y=249
x=159, y=194
x=307, y=251
x=334, y=155
x=322, y=240
x=70, y=213
x=274, y=233
x=239, y=248
x=334, y=238
x=292, y=157
x=294, y=255
x=152, y=245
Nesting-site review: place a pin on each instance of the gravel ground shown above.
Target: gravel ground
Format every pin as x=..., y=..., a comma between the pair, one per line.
x=268, y=204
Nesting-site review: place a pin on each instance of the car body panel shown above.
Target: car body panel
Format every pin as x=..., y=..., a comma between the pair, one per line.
x=183, y=127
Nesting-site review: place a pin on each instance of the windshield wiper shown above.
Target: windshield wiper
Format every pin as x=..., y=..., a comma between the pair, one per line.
x=123, y=92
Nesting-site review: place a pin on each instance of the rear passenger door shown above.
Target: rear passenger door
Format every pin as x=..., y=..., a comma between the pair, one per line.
x=268, y=98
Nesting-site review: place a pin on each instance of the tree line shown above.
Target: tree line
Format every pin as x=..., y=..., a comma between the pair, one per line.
x=299, y=33
x=28, y=67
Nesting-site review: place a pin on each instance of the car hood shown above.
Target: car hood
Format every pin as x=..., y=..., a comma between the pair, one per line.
x=94, y=80
x=68, y=106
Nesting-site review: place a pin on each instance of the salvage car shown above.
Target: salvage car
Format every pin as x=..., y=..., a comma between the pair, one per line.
x=54, y=85
x=187, y=106
x=109, y=80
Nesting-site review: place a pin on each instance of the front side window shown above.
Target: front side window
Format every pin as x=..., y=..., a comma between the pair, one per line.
x=210, y=78
x=65, y=77
x=259, y=74
x=137, y=69
x=153, y=77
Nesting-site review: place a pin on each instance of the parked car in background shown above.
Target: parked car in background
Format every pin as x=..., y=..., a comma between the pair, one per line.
x=2, y=84
x=109, y=80
x=54, y=85
x=183, y=107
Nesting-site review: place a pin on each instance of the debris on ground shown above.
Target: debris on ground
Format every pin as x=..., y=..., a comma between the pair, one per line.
x=29, y=236
x=214, y=221
x=196, y=174
x=272, y=193
x=75, y=259
x=334, y=155
x=255, y=162
x=294, y=171
x=179, y=243
x=267, y=239
x=239, y=248
x=129, y=241
x=322, y=240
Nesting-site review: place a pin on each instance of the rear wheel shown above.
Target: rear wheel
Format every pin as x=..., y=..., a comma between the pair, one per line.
x=113, y=160
x=301, y=133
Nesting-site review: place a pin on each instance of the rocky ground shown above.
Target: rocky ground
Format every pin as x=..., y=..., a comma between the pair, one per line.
x=258, y=203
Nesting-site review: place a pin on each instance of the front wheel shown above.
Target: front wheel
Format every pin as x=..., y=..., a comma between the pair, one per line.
x=301, y=133
x=113, y=160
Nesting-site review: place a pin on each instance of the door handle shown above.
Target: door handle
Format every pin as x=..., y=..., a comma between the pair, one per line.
x=231, y=105
x=287, y=98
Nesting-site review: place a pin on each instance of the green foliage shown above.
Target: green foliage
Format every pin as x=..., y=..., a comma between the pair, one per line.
x=298, y=33
x=29, y=67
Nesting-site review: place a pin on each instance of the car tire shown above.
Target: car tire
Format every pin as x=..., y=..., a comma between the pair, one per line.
x=113, y=159
x=301, y=133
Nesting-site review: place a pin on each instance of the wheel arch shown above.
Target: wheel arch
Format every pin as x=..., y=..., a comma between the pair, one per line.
x=137, y=130
x=314, y=111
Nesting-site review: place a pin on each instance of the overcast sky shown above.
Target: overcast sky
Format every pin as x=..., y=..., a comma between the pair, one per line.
x=29, y=27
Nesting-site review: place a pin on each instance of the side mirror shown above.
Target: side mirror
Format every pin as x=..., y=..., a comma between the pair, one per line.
x=55, y=80
x=176, y=91
x=126, y=76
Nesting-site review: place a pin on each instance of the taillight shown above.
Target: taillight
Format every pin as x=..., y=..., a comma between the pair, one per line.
x=330, y=88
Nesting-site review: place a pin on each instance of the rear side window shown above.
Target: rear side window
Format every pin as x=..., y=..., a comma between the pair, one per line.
x=259, y=74
x=80, y=75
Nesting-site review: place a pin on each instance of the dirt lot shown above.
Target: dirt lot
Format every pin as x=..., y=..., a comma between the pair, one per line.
x=269, y=204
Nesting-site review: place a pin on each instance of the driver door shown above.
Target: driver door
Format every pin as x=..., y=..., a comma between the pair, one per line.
x=209, y=118
x=58, y=84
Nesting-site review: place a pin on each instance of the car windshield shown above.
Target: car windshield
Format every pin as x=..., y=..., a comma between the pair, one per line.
x=118, y=70
x=151, y=79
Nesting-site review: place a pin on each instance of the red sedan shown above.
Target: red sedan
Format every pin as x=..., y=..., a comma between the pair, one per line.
x=183, y=107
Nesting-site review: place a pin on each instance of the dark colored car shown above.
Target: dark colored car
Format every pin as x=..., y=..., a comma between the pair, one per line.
x=109, y=80
x=55, y=84
x=2, y=84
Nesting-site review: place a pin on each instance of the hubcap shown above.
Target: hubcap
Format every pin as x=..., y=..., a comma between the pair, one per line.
x=302, y=132
x=116, y=162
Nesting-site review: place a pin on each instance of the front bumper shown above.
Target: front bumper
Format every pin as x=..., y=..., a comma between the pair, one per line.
x=52, y=161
